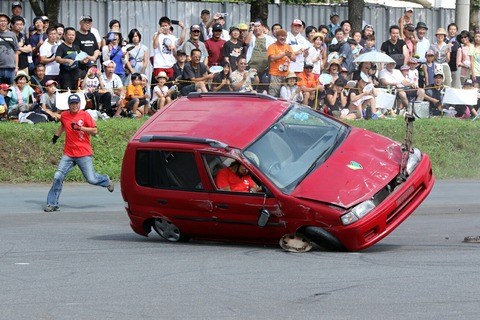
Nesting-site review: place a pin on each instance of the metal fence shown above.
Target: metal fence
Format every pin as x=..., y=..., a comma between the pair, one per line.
x=144, y=15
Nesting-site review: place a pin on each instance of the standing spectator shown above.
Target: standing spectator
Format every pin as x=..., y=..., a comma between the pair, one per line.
x=474, y=55
x=257, y=44
x=454, y=45
x=115, y=51
x=442, y=54
x=60, y=31
x=317, y=55
x=279, y=54
x=410, y=40
x=25, y=51
x=406, y=19
x=165, y=47
x=242, y=78
x=463, y=60
x=395, y=47
x=214, y=46
x=139, y=54
x=429, y=67
x=114, y=26
x=78, y=125
x=17, y=9
x=47, y=54
x=347, y=28
x=9, y=51
x=37, y=39
x=233, y=48
x=366, y=32
x=345, y=54
x=195, y=43
x=299, y=44
x=65, y=56
x=195, y=74
x=423, y=44
x=275, y=28
x=218, y=18
x=332, y=27
x=87, y=42
x=243, y=28
x=309, y=33
x=205, y=16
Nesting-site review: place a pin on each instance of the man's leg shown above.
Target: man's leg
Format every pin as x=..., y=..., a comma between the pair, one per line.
x=64, y=167
x=86, y=166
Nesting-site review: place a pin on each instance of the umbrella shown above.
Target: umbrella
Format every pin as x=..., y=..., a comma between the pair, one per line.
x=375, y=57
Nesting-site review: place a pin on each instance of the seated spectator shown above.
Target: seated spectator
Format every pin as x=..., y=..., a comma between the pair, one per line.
x=195, y=74
x=179, y=65
x=363, y=67
x=362, y=99
x=434, y=94
x=20, y=95
x=91, y=85
x=333, y=68
x=413, y=75
x=242, y=78
x=112, y=84
x=473, y=110
x=312, y=90
x=3, y=104
x=337, y=101
x=406, y=90
x=135, y=102
x=221, y=81
x=291, y=91
x=48, y=101
x=38, y=80
x=161, y=93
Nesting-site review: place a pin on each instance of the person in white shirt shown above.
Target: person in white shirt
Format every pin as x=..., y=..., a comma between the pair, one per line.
x=113, y=84
x=47, y=54
x=423, y=44
x=299, y=45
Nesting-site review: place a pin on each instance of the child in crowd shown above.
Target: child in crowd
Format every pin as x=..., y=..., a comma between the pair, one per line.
x=3, y=105
x=412, y=71
x=290, y=91
x=91, y=85
x=135, y=101
x=429, y=67
x=161, y=93
x=47, y=101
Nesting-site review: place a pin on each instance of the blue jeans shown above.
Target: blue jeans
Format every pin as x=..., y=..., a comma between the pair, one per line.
x=7, y=75
x=65, y=166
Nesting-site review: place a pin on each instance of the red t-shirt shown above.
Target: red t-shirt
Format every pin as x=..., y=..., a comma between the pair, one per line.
x=214, y=49
x=227, y=178
x=77, y=143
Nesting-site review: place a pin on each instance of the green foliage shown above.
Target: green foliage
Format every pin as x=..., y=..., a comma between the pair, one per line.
x=26, y=154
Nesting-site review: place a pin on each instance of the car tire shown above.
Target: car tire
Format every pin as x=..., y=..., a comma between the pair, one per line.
x=168, y=230
x=323, y=238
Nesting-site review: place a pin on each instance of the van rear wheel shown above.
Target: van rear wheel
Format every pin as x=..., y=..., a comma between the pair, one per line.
x=323, y=238
x=168, y=230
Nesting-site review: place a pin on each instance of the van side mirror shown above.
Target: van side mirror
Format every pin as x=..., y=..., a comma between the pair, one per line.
x=263, y=216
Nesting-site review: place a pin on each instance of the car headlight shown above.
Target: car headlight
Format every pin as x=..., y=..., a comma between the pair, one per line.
x=413, y=160
x=358, y=212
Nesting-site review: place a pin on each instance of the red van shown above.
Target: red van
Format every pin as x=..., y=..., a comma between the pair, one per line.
x=341, y=187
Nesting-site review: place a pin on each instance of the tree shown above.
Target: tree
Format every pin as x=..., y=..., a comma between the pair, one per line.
x=259, y=10
x=355, y=13
x=51, y=9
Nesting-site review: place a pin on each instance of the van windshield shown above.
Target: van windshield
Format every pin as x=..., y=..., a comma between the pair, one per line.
x=297, y=144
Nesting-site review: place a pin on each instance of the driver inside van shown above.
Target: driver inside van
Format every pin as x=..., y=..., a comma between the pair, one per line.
x=236, y=177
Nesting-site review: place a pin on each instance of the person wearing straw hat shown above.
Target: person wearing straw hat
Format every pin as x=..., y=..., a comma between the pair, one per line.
x=442, y=54
x=290, y=90
x=20, y=94
x=161, y=93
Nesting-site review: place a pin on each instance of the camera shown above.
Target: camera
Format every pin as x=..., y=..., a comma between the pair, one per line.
x=175, y=22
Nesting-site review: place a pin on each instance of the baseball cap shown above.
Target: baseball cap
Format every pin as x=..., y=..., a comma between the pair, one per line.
x=410, y=26
x=333, y=14
x=50, y=82
x=308, y=65
x=413, y=61
x=195, y=27
x=242, y=26
x=468, y=82
x=16, y=4
x=86, y=18
x=404, y=67
x=74, y=98
x=429, y=52
x=438, y=73
x=297, y=22
x=408, y=9
x=217, y=27
x=4, y=86
x=205, y=11
x=45, y=18
x=234, y=28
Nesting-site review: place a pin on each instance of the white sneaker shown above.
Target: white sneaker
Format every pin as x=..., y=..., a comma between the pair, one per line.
x=105, y=116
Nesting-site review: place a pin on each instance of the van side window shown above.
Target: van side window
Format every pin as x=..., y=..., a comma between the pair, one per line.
x=167, y=169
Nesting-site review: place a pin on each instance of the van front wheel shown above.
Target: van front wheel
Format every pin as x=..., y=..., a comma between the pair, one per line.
x=168, y=230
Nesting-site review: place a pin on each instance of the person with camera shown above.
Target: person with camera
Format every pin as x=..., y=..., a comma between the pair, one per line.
x=117, y=53
x=78, y=125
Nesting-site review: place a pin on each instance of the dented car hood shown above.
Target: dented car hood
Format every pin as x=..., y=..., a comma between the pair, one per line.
x=362, y=165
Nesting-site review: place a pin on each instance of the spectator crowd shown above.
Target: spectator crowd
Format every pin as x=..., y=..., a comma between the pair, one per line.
x=308, y=64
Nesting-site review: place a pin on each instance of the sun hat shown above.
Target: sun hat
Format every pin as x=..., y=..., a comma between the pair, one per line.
x=290, y=75
x=21, y=74
x=421, y=25
x=318, y=34
x=162, y=74
x=50, y=82
x=441, y=31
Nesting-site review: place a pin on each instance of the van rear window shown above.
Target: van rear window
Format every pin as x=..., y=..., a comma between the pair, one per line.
x=167, y=169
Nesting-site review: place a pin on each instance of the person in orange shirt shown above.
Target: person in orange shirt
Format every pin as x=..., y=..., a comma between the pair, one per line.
x=279, y=55
x=135, y=98
x=310, y=86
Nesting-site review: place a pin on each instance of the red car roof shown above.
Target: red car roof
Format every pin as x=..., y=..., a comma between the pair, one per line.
x=235, y=119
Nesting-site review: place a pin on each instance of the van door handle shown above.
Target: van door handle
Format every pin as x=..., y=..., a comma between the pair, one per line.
x=221, y=206
x=162, y=201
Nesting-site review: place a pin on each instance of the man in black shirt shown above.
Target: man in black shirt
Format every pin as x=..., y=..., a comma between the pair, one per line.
x=87, y=43
x=195, y=74
x=65, y=56
x=396, y=47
